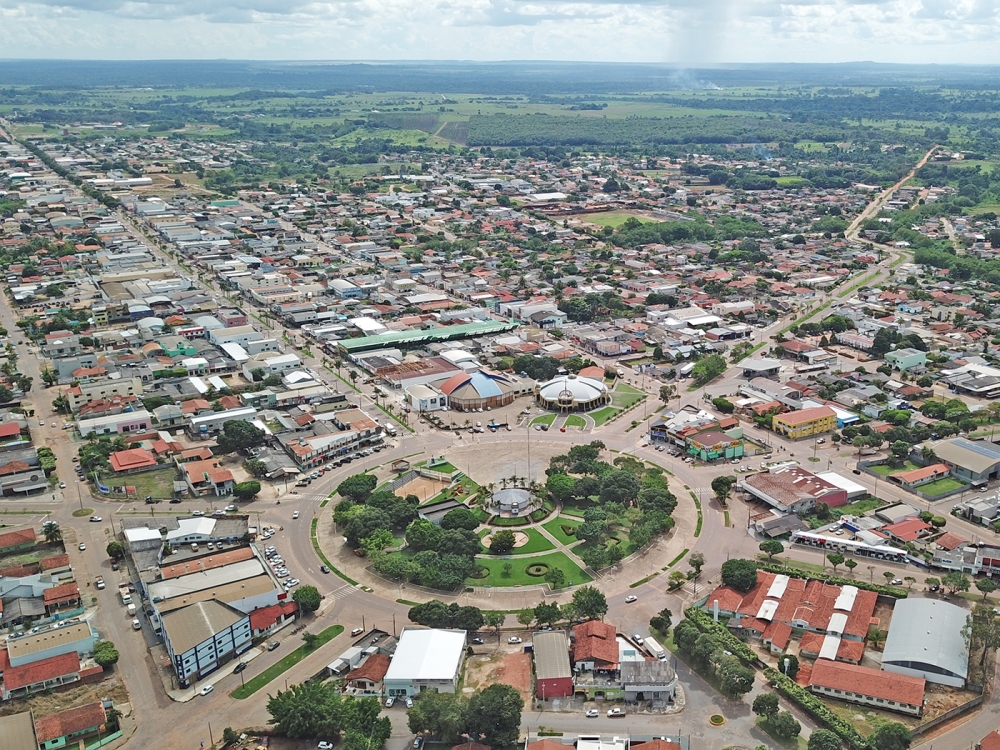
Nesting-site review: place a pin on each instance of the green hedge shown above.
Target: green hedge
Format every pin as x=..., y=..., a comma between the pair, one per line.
x=704, y=622
x=817, y=709
x=498, y=521
x=773, y=567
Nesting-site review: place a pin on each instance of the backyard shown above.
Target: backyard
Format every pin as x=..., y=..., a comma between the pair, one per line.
x=885, y=470
x=941, y=486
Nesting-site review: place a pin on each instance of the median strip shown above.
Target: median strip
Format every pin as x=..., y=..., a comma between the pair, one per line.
x=254, y=684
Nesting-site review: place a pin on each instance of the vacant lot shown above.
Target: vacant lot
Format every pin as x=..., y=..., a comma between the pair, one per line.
x=50, y=702
x=614, y=219
x=512, y=669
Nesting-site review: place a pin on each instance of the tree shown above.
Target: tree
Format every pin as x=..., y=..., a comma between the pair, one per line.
x=560, y=486
x=851, y=565
x=459, y=518
x=697, y=561
x=547, y=614
x=723, y=405
x=772, y=547
x=590, y=603
x=256, y=467
x=667, y=392
x=556, y=578
x=660, y=622
x=982, y=631
x=956, y=581
x=494, y=716
x=783, y=726
x=311, y=640
x=766, y=705
x=115, y=550
x=239, y=435
x=708, y=368
x=875, y=635
x=441, y=715
x=891, y=736
x=619, y=486
x=307, y=597
x=722, y=485
x=51, y=532
x=900, y=450
x=437, y=614
x=495, y=620
x=105, y=653
x=739, y=574
x=835, y=559
x=824, y=739
x=986, y=586
x=525, y=617
x=316, y=709
x=734, y=678
x=595, y=557
x=229, y=735
x=377, y=541
x=789, y=665
x=364, y=523
x=502, y=542
x=358, y=487
x=247, y=490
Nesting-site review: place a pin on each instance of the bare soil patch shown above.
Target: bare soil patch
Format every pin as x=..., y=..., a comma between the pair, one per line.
x=424, y=488
x=512, y=669
x=43, y=704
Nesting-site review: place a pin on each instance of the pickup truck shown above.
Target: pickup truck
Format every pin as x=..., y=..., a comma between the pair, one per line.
x=616, y=712
x=100, y=582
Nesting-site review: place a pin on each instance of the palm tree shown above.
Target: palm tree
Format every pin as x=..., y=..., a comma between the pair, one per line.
x=51, y=532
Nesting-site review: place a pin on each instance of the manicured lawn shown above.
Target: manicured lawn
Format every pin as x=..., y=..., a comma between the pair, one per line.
x=603, y=415
x=518, y=576
x=536, y=542
x=941, y=486
x=625, y=395
x=544, y=419
x=886, y=470
x=444, y=468
x=554, y=527
x=575, y=420
x=254, y=684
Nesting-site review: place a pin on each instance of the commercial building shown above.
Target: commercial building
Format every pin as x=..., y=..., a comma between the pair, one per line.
x=69, y=637
x=116, y=424
x=212, y=424
x=654, y=681
x=18, y=731
x=925, y=640
x=868, y=687
x=906, y=359
x=713, y=446
x=424, y=398
x=804, y=423
x=553, y=675
x=102, y=389
x=426, y=659
x=422, y=337
x=201, y=637
x=474, y=391
x=595, y=647
x=760, y=368
x=792, y=489
x=974, y=460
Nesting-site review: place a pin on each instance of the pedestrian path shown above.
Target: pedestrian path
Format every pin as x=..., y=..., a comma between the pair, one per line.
x=342, y=593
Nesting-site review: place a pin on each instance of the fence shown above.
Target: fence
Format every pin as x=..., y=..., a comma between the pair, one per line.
x=105, y=741
x=406, y=478
x=957, y=711
x=865, y=466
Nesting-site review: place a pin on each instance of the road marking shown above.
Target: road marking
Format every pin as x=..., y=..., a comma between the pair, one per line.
x=341, y=593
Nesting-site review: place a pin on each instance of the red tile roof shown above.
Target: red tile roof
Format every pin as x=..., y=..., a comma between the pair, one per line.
x=55, y=561
x=990, y=742
x=9, y=429
x=908, y=530
x=949, y=541
x=66, y=592
x=374, y=668
x=595, y=641
x=657, y=745
x=40, y=671
x=202, y=564
x=133, y=458
x=870, y=682
x=16, y=538
x=265, y=617
x=68, y=722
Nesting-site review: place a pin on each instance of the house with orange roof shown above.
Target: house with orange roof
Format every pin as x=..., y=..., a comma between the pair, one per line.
x=869, y=687
x=132, y=460
x=66, y=728
x=207, y=478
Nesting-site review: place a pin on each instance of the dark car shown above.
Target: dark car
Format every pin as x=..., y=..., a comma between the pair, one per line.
x=114, y=566
x=935, y=587
x=239, y=667
x=174, y=500
x=856, y=471
x=323, y=569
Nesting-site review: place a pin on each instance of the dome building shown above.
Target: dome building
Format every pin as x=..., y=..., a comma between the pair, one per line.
x=567, y=393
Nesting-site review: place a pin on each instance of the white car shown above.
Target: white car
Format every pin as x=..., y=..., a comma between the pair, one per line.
x=96, y=519
x=230, y=508
x=82, y=546
x=197, y=512
x=291, y=582
x=281, y=573
x=206, y=690
x=41, y=422
x=631, y=598
x=62, y=485
x=324, y=745
x=638, y=639
x=409, y=702
x=513, y=639
x=593, y=713
x=295, y=514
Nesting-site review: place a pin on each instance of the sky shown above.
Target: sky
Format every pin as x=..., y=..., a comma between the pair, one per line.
x=665, y=31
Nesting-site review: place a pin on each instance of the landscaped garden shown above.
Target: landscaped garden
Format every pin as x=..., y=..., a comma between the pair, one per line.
x=495, y=571
x=575, y=420
x=563, y=528
x=535, y=542
x=602, y=415
x=547, y=419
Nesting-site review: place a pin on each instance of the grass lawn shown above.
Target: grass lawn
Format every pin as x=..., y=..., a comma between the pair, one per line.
x=887, y=471
x=941, y=486
x=575, y=420
x=554, y=527
x=254, y=684
x=614, y=219
x=518, y=576
x=159, y=484
x=625, y=395
x=603, y=415
x=536, y=542
x=444, y=468
x=544, y=419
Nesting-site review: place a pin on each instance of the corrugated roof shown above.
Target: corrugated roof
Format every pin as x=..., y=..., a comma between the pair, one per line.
x=427, y=654
x=198, y=622
x=927, y=631
x=551, y=653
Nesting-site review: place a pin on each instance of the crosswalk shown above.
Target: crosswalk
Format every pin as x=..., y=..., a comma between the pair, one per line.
x=342, y=593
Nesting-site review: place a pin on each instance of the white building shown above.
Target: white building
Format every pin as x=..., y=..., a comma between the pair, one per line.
x=426, y=659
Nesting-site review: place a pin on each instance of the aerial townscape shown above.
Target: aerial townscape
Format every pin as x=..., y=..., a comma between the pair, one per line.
x=429, y=406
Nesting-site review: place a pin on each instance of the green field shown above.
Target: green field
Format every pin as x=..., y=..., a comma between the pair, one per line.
x=614, y=219
x=536, y=542
x=602, y=415
x=575, y=420
x=254, y=684
x=625, y=395
x=518, y=576
x=544, y=419
x=553, y=526
x=939, y=487
x=885, y=470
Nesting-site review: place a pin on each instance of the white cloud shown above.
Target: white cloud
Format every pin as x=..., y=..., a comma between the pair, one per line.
x=690, y=31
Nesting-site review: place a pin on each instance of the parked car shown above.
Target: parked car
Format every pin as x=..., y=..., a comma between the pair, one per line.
x=409, y=702
x=390, y=701
x=897, y=581
x=239, y=667
x=272, y=645
x=206, y=690
x=513, y=639
x=82, y=546
x=616, y=712
x=593, y=713
x=638, y=638
x=324, y=745
x=477, y=641
x=96, y=519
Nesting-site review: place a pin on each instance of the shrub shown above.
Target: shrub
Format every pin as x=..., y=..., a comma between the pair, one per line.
x=499, y=521
x=537, y=570
x=834, y=580
x=817, y=709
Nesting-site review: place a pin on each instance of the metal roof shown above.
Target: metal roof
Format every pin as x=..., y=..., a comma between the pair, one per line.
x=927, y=631
x=551, y=650
x=424, y=336
x=977, y=456
x=427, y=654
x=188, y=627
x=18, y=731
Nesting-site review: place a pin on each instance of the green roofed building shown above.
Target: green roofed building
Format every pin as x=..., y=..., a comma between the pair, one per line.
x=421, y=337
